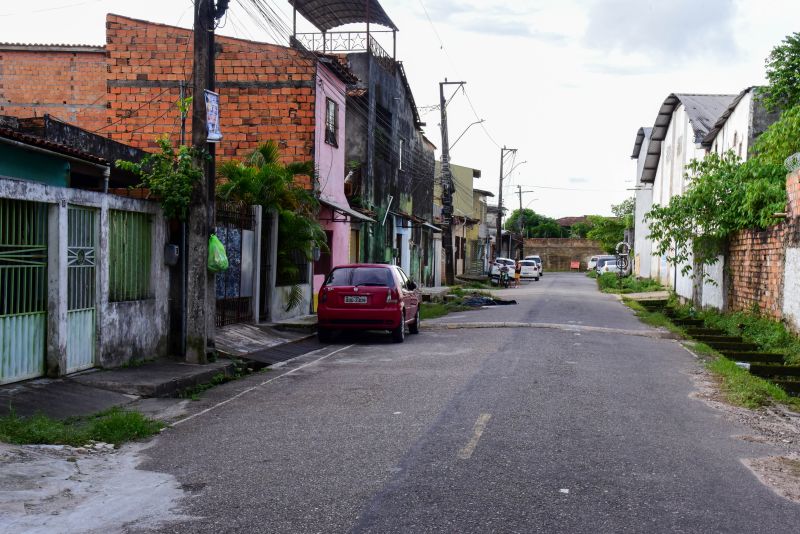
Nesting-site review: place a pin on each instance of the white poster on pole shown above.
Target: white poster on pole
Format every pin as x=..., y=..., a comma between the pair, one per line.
x=213, y=132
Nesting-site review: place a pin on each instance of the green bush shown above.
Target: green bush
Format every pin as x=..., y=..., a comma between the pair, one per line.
x=611, y=283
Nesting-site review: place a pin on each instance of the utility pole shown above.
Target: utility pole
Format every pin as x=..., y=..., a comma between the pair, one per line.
x=499, y=241
x=447, y=190
x=521, y=219
x=200, y=298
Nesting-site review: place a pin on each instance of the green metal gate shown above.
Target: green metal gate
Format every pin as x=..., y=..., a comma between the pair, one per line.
x=23, y=289
x=81, y=288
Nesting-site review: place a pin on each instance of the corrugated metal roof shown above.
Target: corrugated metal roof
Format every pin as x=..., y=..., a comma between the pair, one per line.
x=642, y=136
x=327, y=14
x=708, y=139
x=56, y=47
x=703, y=112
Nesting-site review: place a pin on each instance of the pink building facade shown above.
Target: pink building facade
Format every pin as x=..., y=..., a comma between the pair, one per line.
x=329, y=157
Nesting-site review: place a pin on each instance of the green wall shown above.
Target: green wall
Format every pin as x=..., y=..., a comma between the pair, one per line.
x=28, y=165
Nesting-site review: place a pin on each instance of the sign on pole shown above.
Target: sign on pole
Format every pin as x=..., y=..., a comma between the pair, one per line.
x=213, y=132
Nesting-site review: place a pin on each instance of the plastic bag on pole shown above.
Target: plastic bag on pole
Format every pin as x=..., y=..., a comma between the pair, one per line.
x=217, y=259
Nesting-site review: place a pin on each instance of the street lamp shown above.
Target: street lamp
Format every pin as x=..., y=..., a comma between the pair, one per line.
x=465, y=131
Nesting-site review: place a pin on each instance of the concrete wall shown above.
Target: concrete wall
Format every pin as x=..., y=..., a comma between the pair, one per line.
x=125, y=330
x=558, y=253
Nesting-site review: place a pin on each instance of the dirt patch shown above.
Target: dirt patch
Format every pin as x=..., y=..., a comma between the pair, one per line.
x=781, y=474
x=54, y=489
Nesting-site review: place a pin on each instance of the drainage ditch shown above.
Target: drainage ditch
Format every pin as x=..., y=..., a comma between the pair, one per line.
x=765, y=364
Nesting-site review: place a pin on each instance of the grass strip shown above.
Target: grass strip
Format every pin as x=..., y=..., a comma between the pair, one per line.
x=611, y=283
x=111, y=426
x=744, y=389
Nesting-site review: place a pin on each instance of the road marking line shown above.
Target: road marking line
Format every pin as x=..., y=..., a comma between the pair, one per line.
x=264, y=383
x=477, y=432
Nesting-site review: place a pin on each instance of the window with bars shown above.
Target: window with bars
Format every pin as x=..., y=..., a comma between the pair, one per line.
x=331, y=122
x=130, y=252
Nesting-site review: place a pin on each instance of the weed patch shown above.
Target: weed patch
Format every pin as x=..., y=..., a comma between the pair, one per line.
x=112, y=426
x=653, y=318
x=432, y=310
x=769, y=334
x=744, y=389
x=611, y=283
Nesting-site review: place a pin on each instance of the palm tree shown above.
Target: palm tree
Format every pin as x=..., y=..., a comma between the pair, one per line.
x=263, y=180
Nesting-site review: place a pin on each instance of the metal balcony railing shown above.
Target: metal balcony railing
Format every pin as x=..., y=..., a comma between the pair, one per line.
x=332, y=42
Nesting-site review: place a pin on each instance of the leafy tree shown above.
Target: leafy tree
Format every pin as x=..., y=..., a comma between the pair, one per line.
x=780, y=140
x=783, y=74
x=608, y=231
x=624, y=211
x=535, y=225
x=170, y=176
x=580, y=230
x=262, y=179
x=723, y=196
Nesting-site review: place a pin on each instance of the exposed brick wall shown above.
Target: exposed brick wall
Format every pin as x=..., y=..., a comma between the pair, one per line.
x=68, y=83
x=266, y=91
x=557, y=253
x=755, y=270
x=755, y=259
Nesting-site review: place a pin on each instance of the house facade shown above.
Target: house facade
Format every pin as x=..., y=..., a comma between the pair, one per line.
x=83, y=273
x=675, y=140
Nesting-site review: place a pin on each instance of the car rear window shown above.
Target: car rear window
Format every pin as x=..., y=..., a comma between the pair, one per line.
x=360, y=276
x=602, y=261
x=527, y=263
x=505, y=262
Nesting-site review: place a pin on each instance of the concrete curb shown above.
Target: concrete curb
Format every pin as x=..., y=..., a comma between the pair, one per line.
x=656, y=334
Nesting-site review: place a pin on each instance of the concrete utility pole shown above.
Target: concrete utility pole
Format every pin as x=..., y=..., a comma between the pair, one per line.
x=447, y=190
x=499, y=241
x=200, y=298
x=521, y=220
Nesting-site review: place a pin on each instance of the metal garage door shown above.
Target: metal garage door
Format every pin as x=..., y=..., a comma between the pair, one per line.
x=23, y=289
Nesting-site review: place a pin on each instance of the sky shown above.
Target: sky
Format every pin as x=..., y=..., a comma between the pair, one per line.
x=567, y=83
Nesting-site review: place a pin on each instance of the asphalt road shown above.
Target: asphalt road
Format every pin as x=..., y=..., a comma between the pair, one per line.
x=475, y=430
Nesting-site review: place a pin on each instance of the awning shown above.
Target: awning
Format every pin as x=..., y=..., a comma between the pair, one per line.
x=345, y=210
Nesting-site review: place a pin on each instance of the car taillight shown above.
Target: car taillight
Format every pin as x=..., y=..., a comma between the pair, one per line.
x=324, y=296
x=392, y=296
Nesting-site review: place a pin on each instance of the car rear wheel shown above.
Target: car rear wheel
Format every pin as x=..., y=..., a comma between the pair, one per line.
x=413, y=328
x=399, y=333
x=536, y=279
x=324, y=335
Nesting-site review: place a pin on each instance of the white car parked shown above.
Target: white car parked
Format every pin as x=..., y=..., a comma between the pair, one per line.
x=529, y=269
x=538, y=261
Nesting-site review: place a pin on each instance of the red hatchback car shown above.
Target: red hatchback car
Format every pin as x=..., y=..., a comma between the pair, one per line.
x=368, y=297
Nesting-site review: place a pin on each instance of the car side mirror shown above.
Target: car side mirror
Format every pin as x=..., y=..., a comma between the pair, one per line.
x=411, y=285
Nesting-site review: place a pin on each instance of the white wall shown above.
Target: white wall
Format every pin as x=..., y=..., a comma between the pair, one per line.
x=735, y=134
x=677, y=150
x=713, y=296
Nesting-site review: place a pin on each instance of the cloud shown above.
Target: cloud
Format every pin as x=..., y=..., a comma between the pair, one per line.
x=483, y=18
x=666, y=31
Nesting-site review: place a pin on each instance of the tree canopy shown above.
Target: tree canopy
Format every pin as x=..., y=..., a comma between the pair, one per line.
x=783, y=75
x=535, y=225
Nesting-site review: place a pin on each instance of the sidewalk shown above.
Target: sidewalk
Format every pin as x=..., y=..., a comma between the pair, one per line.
x=97, y=390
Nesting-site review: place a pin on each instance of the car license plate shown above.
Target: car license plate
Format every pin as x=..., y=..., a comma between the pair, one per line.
x=355, y=300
